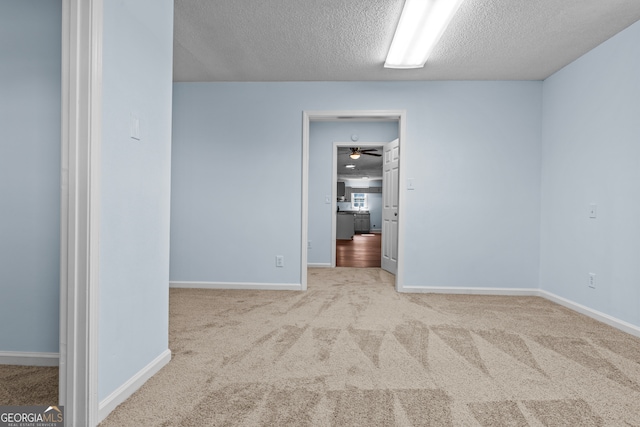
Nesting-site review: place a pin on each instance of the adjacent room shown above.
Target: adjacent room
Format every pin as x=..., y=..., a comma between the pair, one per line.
x=223, y=214
x=358, y=219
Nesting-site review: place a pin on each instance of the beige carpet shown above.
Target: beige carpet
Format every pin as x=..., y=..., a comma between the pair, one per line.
x=28, y=385
x=353, y=352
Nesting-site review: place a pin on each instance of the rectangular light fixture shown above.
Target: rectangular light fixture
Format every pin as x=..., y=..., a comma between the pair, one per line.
x=421, y=25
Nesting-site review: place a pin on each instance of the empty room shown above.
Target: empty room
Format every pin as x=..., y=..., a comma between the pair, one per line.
x=172, y=216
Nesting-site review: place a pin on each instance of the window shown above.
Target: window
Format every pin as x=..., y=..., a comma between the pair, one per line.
x=359, y=200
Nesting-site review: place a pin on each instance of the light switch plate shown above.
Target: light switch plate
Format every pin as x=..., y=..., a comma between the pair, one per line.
x=593, y=210
x=411, y=184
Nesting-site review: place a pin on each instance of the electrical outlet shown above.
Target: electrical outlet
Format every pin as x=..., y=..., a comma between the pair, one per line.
x=279, y=260
x=592, y=281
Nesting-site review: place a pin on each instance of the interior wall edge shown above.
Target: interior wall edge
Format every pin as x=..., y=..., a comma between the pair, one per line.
x=122, y=393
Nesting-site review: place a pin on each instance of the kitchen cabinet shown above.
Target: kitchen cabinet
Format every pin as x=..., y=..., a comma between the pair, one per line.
x=345, y=223
x=349, y=223
x=362, y=222
x=348, y=191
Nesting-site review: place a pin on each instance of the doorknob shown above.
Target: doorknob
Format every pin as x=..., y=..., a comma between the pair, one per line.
x=395, y=214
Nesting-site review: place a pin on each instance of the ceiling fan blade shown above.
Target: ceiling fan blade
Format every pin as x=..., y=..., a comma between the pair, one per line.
x=368, y=149
x=371, y=154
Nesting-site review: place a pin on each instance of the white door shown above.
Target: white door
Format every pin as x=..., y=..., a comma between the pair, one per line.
x=390, y=189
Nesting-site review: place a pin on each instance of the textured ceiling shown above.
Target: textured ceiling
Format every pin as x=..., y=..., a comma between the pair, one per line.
x=369, y=166
x=343, y=40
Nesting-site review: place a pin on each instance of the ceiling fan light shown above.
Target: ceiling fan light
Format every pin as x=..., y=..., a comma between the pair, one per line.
x=420, y=27
x=355, y=155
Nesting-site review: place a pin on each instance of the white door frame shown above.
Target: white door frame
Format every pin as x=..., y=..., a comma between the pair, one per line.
x=334, y=190
x=81, y=116
x=356, y=115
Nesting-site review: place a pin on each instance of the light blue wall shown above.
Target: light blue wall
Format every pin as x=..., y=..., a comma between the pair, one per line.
x=322, y=136
x=30, y=50
x=591, y=154
x=473, y=149
x=135, y=202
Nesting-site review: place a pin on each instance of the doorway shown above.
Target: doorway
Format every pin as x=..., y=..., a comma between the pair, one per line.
x=398, y=116
x=356, y=232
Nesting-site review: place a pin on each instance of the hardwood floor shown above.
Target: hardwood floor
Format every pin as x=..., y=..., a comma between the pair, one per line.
x=363, y=251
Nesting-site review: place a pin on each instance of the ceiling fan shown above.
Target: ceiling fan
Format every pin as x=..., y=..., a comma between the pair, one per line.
x=356, y=152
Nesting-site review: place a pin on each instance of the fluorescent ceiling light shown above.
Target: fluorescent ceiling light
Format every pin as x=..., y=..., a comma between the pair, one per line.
x=350, y=166
x=421, y=25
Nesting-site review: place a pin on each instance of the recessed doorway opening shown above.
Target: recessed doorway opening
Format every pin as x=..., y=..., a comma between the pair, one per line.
x=394, y=222
x=357, y=220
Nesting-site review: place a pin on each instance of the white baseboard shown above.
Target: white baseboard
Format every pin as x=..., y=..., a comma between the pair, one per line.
x=319, y=265
x=28, y=358
x=238, y=285
x=594, y=314
x=471, y=291
x=123, y=392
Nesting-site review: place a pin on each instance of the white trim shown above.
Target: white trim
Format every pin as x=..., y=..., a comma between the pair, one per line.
x=81, y=133
x=402, y=136
x=65, y=87
x=594, y=314
x=334, y=202
x=470, y=291
x=29, y=358
x=123, y=392
x=579, y=308
x=304, y=255
x=238, y=285
x=320, y=265
x=359, y=115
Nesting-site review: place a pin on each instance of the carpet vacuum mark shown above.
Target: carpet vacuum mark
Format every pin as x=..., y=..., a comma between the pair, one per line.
x=353, y=352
